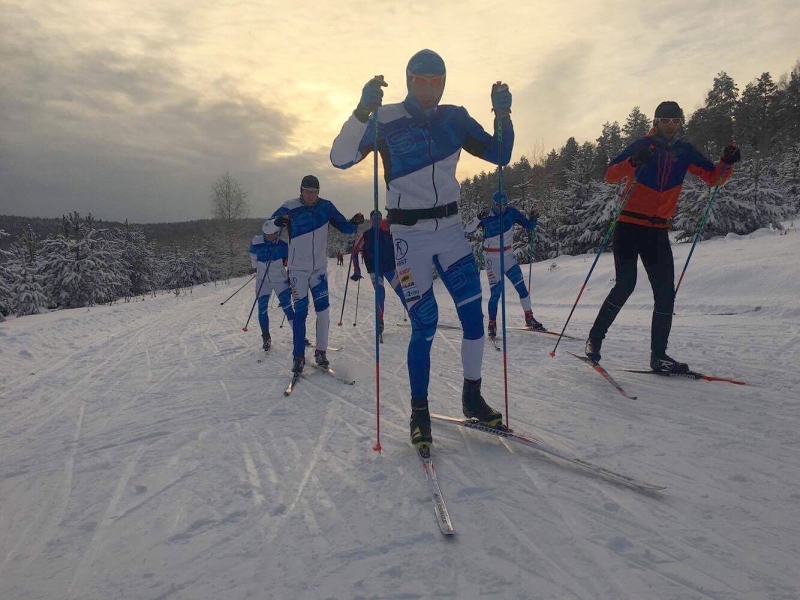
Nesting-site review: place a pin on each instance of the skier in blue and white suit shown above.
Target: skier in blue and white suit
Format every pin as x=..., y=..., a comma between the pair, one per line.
x=307, y=219
x=489, y=221
x=268, y=256
x=420, y=142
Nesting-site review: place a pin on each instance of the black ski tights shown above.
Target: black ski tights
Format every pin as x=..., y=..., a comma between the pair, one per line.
x=652, y=245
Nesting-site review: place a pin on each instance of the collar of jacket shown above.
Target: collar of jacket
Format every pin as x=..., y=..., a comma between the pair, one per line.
x=660, y=141
x=415, y=110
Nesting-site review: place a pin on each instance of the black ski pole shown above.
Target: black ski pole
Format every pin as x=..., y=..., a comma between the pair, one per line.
x=346, y=285
x=239, y=290
x=358, y=293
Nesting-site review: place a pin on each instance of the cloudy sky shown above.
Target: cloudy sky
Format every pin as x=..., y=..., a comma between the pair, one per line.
x=133, y=109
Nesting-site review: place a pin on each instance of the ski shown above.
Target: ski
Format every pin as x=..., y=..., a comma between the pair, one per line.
x=439, y=507
x=292, y=383
x=334, y=374
x=689, y=375
x=604, y=373
x=545, y=331
x=579, y=463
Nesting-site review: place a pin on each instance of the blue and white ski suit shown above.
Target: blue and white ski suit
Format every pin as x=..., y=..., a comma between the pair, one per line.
x=269, y=260
x=308, y=263
x=420, y=150
x=491, y=248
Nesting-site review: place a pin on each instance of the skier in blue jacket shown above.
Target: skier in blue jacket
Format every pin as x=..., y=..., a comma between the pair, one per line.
x=489, y=221
x=307, y=219
x=268, y=256
x=420, y=142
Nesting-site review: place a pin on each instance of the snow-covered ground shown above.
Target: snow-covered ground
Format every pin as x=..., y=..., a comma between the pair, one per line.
x=145, y=452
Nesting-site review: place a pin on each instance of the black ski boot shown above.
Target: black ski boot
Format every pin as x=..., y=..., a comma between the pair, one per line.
x=420, y=423
x=665, y=364
x=491, y=330
x=593, y=349
x=532, y=323
x=267, y=341
x=298, y=364
x=322, y=360
x=474, y=406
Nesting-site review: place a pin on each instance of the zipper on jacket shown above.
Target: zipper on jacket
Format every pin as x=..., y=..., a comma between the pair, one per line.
x=433, y=168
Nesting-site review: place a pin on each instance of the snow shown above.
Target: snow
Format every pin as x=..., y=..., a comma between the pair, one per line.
x=146, y=453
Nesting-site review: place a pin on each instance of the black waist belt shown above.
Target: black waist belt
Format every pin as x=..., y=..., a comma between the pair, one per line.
x=653, y=220
x=397, y=216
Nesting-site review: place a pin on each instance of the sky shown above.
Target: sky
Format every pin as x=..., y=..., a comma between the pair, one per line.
x=133, y=110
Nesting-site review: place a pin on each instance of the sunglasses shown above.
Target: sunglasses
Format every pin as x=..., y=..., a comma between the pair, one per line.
x=312, y=190
x=431, y=80
x=669, y=121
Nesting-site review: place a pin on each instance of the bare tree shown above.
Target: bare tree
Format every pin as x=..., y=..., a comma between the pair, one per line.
x=229, y=205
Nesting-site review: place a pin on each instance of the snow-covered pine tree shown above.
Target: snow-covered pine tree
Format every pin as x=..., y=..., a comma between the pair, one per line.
x=137, y=260
x=789, y=173
x=590, y=208
x=5, y=283
x=27, y=293
x=752, y=198
x=78, y=265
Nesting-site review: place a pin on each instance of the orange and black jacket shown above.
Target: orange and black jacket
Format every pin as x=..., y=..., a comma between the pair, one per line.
x=654, y=199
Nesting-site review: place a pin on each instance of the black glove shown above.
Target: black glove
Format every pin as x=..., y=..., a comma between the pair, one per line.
x=357, y=219
x=281, y=221
x=533, y=215
x=501, y=99
x=356, y=276
x=642, y=157
x=731, y=155
x=483, y=213
x=371, y=98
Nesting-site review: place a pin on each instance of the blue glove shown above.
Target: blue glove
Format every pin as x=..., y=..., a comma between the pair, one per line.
x=371, y=98
x=501, y=99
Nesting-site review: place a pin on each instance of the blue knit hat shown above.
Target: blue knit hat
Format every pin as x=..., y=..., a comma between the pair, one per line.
x=425, y=62
x=499, y=198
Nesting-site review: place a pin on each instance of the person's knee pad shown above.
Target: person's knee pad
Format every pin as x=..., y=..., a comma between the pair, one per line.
x=301, y=308
x=320, y=295
x=471, y=317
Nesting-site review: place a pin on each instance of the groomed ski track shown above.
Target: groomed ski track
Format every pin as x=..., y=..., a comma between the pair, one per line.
x=144, y=453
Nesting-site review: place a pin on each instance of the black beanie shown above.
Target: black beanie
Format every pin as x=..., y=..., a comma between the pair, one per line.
x=310, y=182
x=669, y=110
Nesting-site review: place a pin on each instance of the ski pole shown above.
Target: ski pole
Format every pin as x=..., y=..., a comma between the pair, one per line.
x=358, y=292
x=376, y=224
x=239, y=290
x=499, y=131
x=699, y=232
x=599, y=253
x=530, y=261
x=346, y=285
x=258, y=293
x=282, y=320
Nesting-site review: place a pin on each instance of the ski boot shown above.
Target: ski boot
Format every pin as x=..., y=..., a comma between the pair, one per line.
x=420, y=423
x=322, y=360
x=474, y=406
x=491, y=330
x=267, y=341
x=532, y=323
x=298, y=364
x=593, y=349
x=665, y=364
x=380, y=327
